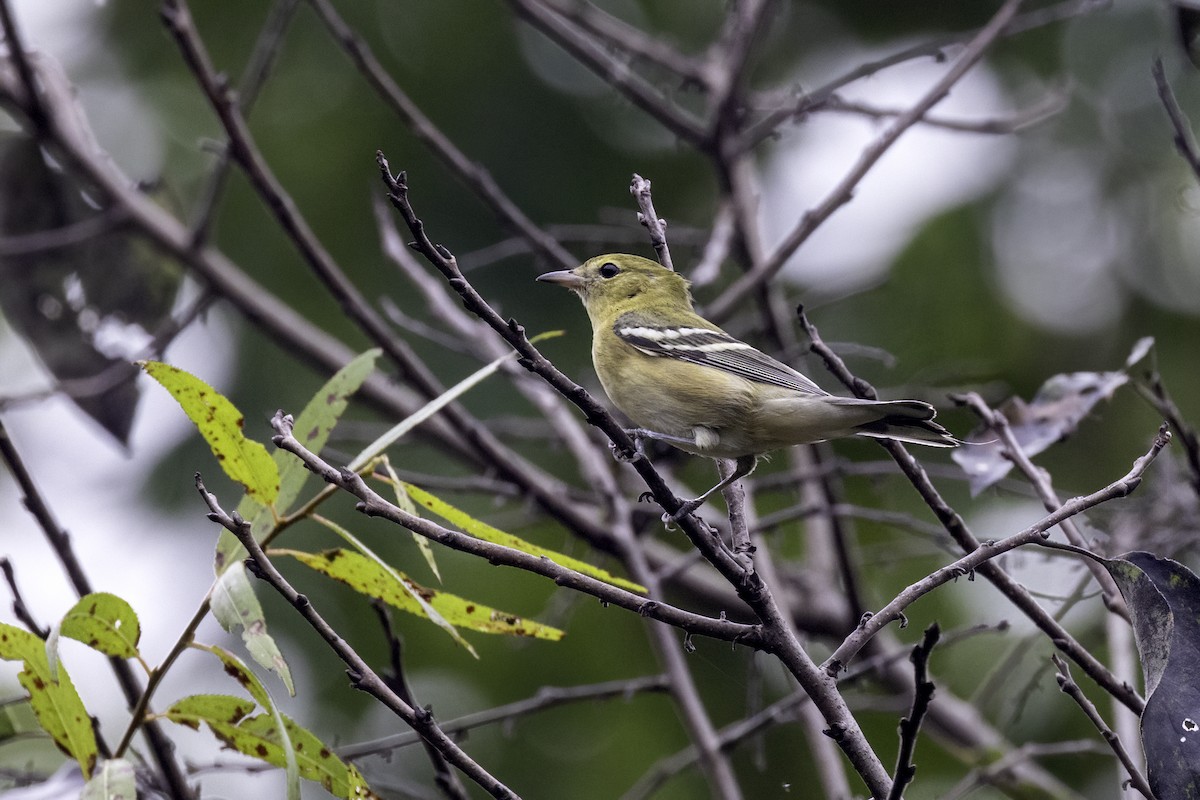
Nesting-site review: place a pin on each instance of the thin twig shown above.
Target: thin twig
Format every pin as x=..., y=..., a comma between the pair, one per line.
x=987, y=551
x=470, y=172
x=958, y=530
x=910, y=726
x=1072, y=690
x=445, y=778
x=639, y=187
x=1185, y=140
x=844, y=190
x=545, y=698
x=361, y=675
x=997, y=422
x=20, y=608
x=266, y=48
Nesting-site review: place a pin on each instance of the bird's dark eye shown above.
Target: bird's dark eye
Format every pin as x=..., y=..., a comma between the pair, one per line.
x=609, y=270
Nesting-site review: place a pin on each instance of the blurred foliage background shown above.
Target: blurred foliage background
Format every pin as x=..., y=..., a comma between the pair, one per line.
x=966, y=260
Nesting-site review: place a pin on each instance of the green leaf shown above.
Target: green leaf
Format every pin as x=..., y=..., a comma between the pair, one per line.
x=405, y=502
x=236, y=668
x=315, y=758
x=104, y=622
x=435, y=405
x=259, y=737
x=114, y=780
x=54, y=700
x=398, y=581
x=312, y=429
x=233, y=602
x=481, y=530
x=235, y=605
x=369, y=578
x=220, y=423
x=222, y=709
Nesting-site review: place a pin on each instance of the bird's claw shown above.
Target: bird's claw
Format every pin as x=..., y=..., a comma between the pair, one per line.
x=685, y=508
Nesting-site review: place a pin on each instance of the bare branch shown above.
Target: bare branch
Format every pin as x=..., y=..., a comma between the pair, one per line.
x=361, y=675
x=1072, y=690
x=958, y=530
x=843, y=191
x=910, y=726
x=639, y=187
x=1185, y=140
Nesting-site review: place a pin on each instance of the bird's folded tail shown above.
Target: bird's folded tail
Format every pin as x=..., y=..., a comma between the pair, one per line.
x=906, y=421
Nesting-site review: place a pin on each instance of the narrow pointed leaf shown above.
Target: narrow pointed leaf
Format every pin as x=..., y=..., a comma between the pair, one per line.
x=104, y=622
x=220, y=423
x=235, y=605
x=405, y=502
x=397, y=580
x=481, y=530
x=236, y=669
x=366, y=577
x=435, y=405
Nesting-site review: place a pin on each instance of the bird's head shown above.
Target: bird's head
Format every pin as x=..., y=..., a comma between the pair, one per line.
x=612, y=284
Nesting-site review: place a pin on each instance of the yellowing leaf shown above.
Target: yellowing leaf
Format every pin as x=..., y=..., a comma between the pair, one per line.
x=104, y=622
x=53, y=698
x=234, y=603
x=481, y=530
x=220, y=423
x=236, y=669
x=397, y=580
x=368, y=578
x=259, y=737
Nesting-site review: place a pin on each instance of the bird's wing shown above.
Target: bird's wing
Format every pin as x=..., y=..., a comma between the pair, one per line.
x=711, y=348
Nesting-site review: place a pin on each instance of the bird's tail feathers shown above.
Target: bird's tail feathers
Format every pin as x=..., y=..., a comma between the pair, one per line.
x=908, y=421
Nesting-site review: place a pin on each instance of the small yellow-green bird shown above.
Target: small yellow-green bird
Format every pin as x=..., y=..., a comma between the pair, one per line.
x=683, y=380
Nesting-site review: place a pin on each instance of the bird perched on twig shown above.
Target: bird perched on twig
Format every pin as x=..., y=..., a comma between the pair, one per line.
x=684, y=381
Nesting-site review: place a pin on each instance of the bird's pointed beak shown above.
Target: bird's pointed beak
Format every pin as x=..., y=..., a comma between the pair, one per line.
x=563, y=277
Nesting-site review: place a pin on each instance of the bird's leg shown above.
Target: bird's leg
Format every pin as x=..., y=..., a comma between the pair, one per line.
x=745, y=465
x=640, y=435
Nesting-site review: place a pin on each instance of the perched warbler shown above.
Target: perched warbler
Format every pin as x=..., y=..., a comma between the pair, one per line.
x=684, y=381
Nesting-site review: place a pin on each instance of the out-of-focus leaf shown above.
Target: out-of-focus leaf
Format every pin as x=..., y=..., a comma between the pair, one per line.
x=259, y=737
x=1187, y=23
x=85, y=304
x=481, y=530
x=435, y=405
x=235, y=605
x=114, y=780
x=220, y=423
x=368, y=578
x=1055, y=411
x=54, y=700
x=1163, y=597
x=104, y=622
